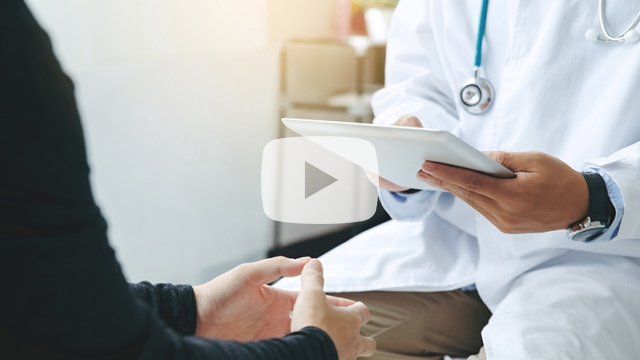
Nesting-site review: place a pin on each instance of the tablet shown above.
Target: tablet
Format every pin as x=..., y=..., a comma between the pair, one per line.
x=402, y=150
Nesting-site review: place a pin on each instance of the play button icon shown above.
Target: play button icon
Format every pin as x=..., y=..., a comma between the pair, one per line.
x=315, y=180
x=307, y=180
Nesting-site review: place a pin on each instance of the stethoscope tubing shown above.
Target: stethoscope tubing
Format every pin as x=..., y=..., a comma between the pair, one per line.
x=483, y=22
x=607, y=37
x=477, y=94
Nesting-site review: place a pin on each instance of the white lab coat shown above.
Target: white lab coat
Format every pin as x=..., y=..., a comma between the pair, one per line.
x=557, y=93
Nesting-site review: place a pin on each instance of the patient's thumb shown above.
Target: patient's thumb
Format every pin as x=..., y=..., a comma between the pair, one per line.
x=312, y=278
x=312, y=301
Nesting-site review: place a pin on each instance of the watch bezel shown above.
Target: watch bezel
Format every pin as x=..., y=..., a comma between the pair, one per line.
x=586, y=230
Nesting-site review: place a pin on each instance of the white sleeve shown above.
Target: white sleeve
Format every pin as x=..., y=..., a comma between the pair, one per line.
x=623, y=167
x=414, y=85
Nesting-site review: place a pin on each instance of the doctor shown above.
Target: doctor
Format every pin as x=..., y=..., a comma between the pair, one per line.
x=564, y=113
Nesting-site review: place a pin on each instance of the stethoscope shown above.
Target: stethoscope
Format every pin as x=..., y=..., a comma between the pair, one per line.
x=477, y=93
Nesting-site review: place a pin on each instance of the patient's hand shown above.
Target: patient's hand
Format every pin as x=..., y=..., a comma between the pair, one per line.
x=406, y=120
x=340, y=318
x=238, y=305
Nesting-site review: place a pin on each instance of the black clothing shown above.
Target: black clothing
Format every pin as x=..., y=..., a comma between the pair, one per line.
x=63, y=293
x=175, y=304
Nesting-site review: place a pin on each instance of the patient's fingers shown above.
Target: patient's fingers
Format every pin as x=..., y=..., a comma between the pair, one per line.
x=367, y=346
x=340, y=302
x=362, y=310
x=270, y=270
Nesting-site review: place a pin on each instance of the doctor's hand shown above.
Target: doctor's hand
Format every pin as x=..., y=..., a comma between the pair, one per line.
x=341, y=321
x=406, y=120
x=546, y=194
x=238, y=305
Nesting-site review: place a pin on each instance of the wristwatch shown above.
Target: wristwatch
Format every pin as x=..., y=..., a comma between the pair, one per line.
x=599, y=218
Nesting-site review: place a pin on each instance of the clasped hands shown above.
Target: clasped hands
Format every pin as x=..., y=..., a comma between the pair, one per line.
x=546, y=194
x=240, y=306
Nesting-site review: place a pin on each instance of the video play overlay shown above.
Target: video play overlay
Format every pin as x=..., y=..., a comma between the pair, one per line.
x=319, y=180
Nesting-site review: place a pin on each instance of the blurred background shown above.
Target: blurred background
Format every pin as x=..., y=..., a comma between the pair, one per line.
x=178, y=99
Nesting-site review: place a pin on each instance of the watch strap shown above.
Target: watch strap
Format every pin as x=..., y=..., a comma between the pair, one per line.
x=598, y=197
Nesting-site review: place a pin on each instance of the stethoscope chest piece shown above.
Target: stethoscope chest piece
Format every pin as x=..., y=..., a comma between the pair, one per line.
x=476, y=95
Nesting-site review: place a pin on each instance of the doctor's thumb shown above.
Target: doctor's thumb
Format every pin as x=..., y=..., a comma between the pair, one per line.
x=408, y=120
x=507, y=159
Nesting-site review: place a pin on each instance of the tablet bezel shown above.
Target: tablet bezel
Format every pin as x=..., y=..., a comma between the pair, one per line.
x=399, y=147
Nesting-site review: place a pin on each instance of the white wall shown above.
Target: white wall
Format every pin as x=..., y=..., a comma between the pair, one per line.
x=178, y=99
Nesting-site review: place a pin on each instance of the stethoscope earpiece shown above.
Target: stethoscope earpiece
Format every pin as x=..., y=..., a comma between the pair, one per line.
x=592, y=35
x=632, y=36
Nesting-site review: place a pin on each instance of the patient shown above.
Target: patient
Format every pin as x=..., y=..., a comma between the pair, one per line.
x=64, y=295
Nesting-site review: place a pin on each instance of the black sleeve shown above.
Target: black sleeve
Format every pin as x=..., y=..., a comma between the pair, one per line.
x=63, y=294
x=175, y=304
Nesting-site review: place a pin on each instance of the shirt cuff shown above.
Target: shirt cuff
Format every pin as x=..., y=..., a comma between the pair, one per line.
x=409, y=207
x=471, y=287
x=615, y=195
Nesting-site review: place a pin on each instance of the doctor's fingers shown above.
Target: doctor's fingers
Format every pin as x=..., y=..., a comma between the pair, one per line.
x=467, y=179
x=463, y=193
x=502, y=219
x=486, y=210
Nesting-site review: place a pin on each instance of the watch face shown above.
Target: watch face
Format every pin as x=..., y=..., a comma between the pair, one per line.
x=588, y=234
